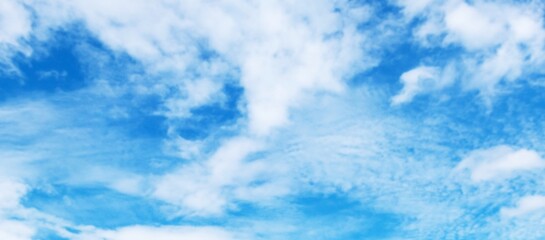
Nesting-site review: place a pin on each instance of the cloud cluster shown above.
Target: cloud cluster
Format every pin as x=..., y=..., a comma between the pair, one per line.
x=198, y=43
x=500, y=162
x=498, y=43
x=279, y=52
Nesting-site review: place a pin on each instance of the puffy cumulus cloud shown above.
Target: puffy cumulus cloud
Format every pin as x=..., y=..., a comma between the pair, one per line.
x=500, y=42
x=316, y=53
x=159, y=233
x=277, y=65
x=525, y=205
x=423, y=79
x=198, y=93
x=12, y=191
x=500, y=162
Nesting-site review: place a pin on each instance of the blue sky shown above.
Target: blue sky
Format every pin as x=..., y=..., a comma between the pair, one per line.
x=217, y=120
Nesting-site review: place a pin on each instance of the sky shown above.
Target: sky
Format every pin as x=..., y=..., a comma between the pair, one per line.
x=272, y=119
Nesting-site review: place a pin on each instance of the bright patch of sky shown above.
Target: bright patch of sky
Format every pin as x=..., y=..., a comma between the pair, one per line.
x=133, y=119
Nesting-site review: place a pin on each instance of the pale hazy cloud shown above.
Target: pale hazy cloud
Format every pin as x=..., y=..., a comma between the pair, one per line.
x=158, y=233
x=525, y=205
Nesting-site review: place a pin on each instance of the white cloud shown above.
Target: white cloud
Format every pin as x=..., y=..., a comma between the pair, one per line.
x=500, y=162
x=159, y=233
x=15, y=26
x=278, y=65
x=182, y=148
x=413, y=7
x=423, y=79
x=208, y=187
x=11, y=192
x=15, y=22
x=15, y=230
x=13, y=225
x=525, y=205
x=197, y=93
x=472, y=26
x=501, y=42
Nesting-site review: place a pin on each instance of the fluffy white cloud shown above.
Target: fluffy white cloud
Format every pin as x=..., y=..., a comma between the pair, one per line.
x=15, y=22
x=423, y=79
x=277, y=65
x=158, y=233
x=15, y=230
x=525, y=205
x=500, y=162
x=11, y=192
x=287, y=62
x=10, y=209
x=15, y=26
x=472, y=26
x=281, y=51
x=501, y=42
